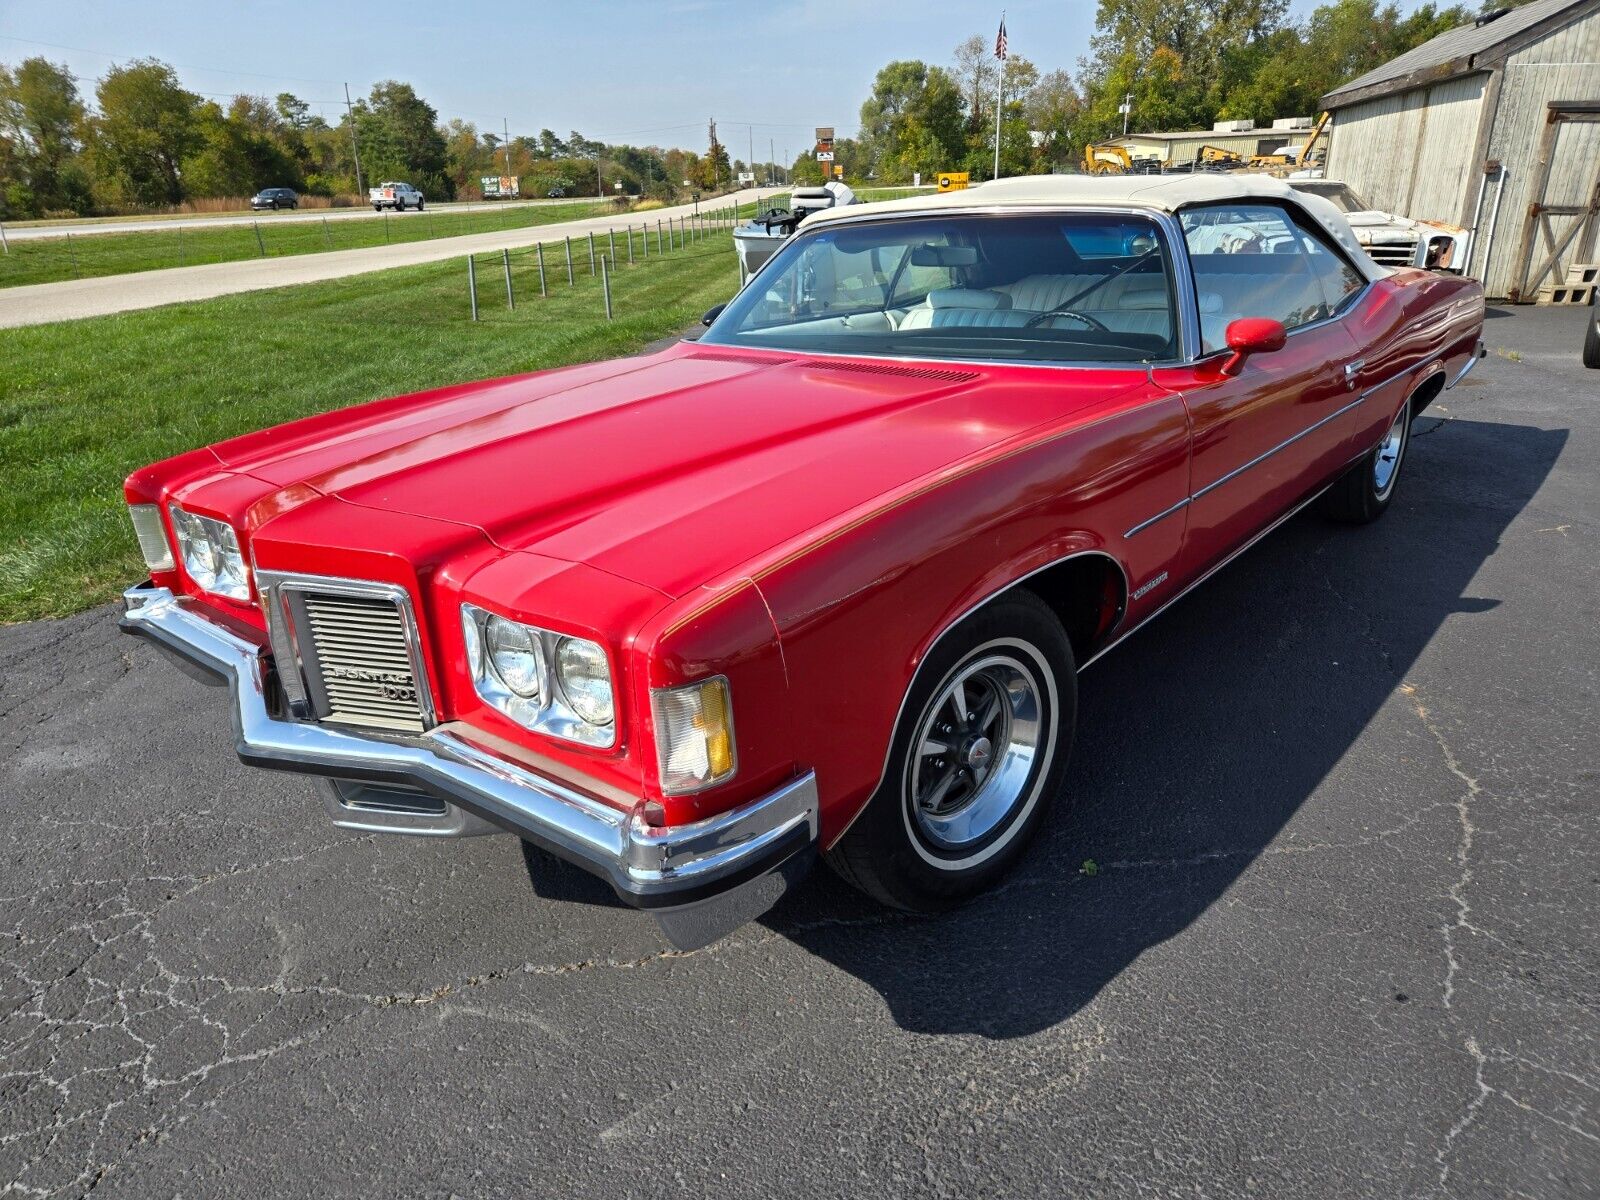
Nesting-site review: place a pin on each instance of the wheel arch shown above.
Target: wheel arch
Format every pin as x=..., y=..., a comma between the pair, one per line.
x=1062, y=583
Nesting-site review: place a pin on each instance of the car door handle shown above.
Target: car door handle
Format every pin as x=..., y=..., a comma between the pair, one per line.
x=1352, y=372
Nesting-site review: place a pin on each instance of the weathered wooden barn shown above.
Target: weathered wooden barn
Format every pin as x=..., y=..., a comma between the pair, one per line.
x=1494, y=126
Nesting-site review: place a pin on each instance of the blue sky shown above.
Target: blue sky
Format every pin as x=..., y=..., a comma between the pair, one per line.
x=641, y=71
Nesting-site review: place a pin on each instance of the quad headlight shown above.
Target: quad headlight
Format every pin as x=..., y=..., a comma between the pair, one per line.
x=211, y=556
x=543, y=680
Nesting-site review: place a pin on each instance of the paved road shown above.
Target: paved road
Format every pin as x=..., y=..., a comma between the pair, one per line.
x=89, y=228
x=1342, y=940
x=73, y=299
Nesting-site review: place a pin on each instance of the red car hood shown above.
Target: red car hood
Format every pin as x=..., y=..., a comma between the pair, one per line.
x=674, y=469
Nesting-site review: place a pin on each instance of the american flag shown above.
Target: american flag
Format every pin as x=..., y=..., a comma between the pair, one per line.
x=1000, y=40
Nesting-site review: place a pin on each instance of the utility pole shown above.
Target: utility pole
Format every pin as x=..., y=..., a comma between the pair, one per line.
x=716, y=168
x=1127, y=111
x=751, y=130
x=505, y=124
x=355, y=145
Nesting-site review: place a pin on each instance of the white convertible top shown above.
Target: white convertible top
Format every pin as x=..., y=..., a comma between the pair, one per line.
x=1168, y=193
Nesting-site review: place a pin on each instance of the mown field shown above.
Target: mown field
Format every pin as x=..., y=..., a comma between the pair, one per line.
x=47, y=260
x=84, y=403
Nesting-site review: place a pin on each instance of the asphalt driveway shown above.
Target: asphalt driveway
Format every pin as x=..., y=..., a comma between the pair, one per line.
x=1339, y=937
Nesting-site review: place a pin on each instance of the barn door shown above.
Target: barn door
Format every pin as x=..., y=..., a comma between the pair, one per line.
x=1563, y=218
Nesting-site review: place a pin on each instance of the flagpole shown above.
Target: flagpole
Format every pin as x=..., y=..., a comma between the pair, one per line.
x=999, y=92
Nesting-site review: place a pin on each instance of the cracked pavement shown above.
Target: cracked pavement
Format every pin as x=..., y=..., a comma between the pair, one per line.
x=1340, y=938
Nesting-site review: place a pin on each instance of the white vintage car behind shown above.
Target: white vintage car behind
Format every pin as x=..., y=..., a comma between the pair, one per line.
x=1391, y=240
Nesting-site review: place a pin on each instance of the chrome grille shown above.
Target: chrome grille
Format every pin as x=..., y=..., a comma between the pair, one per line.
x=1393, y=255
x=359, y=660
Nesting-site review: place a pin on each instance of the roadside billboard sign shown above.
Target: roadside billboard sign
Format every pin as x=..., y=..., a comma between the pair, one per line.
x=500, y=187
x=824, y=155
x=952, y=181
x=747, y=176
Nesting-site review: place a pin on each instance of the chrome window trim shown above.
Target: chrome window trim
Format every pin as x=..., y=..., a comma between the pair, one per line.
x=1178, y=255
x=278, y=587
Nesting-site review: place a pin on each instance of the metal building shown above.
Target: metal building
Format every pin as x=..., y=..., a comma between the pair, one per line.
x=1494, y=126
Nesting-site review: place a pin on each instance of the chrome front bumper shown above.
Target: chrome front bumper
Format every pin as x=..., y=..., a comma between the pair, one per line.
x=649, y=866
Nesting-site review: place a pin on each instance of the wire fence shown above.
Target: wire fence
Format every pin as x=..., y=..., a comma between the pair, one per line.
x=270, y=235
x=597, y=262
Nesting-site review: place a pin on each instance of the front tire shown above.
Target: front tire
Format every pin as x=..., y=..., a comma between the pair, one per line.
x=977, y=757
x=1363, y=493
x=419, y=205
x=1591, y=341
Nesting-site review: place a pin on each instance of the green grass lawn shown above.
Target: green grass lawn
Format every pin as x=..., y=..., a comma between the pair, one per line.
x=83, y=403
x=47, y=260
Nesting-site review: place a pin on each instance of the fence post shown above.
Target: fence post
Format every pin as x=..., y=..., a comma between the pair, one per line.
x=505, y=259
x=539, y=254
x=605, y=285
x=260, y=245
x=472, y=285
x=658, y=235
x=568, y=241
x=629, y=232
x=591, y=252
x=611, y=240
x=386, y=227
x=4, y=245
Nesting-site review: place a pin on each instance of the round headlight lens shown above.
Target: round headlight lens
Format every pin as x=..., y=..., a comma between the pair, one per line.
x=517, y=656
x=585, y=679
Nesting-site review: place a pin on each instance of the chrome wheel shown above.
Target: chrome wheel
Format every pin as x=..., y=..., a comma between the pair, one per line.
x=974, y=752
x=1386, y=463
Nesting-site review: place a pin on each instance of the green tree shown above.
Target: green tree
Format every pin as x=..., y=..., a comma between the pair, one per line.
x=40, y=117
x=913, y=121
x=147, y=125
x=401, y=139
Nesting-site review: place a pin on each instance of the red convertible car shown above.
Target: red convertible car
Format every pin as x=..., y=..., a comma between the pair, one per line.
x=823, y=580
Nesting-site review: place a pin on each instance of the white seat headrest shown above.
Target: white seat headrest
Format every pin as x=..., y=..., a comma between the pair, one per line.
x=967, y=298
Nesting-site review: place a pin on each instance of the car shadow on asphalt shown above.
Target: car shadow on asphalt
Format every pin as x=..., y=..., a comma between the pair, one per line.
x=1198, y=741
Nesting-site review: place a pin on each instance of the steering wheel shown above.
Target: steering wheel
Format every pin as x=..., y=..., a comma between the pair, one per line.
x=1041, y=318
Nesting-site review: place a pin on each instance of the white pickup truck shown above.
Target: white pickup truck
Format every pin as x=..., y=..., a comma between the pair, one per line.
x=398, y=196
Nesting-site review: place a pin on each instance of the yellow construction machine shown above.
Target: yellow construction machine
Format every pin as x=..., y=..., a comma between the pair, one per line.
x=1106, y=158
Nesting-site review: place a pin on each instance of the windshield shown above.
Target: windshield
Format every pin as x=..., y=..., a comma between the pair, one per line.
x=1343, y=198
x=1056, y=287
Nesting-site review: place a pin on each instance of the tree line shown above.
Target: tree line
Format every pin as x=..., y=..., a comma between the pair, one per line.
x=1178, y=64
x=146, y=142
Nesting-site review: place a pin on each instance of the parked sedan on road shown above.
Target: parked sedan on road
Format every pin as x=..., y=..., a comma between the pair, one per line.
x=274, y=199
x=822, y=581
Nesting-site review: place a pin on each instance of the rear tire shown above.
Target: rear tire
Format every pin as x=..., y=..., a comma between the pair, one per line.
x=1591, y=341
x=419, y=205
x=977, y=757
x=1363, y=493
